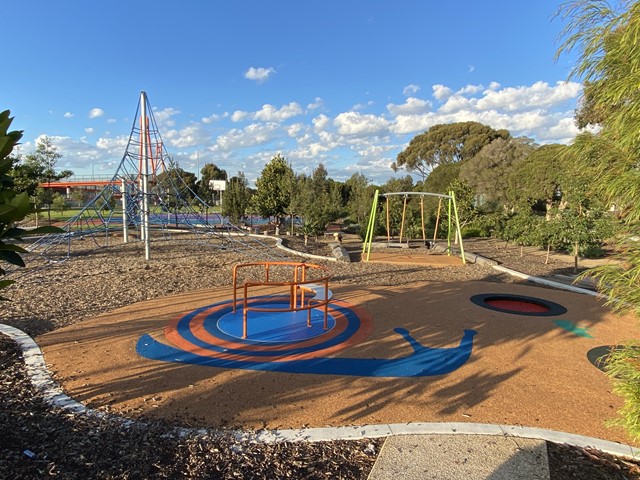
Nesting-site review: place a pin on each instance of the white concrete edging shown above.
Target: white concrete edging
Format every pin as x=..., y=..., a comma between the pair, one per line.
x=548, y=283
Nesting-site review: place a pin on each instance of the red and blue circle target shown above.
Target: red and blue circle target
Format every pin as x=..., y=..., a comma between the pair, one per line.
x=282, y=342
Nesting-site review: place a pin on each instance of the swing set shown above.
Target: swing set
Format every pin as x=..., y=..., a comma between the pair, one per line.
x=451, y=213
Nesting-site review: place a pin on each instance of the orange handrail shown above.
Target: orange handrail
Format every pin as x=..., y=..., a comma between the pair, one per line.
x=300, y=282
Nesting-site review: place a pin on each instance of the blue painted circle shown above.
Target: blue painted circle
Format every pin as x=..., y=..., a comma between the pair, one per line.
x=276, y=327
x=211, y=326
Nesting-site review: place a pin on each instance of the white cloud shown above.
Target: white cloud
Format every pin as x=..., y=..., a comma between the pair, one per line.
x=456, y=103
x=440, y=92
x=165, y=116
x=359, y=125
x=111, y=120
x=116, y=145
x=404, y=124
x=239, y=116
x=260, y=74
x=189, y=136
x=470, y=90
x=69, y=115
x=411, y=106
x=88, y=130
x=540, y=94
x=252, y=135
x=294, y=130
x=214, y=118
x=269, y=113
x=410, y=89
x=96, y=112
x=471, y=68
x=362, y=106
x=317, y=103
x=320, y=122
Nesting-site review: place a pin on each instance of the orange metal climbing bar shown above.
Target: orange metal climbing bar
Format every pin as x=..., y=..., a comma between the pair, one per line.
x=299, y=284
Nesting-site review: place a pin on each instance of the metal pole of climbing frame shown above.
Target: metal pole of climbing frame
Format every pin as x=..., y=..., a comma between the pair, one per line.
x=145, y=175
x=424, y=233
x=125, y=220
x=449, y=227
x=366, y=247
x=388, y=224
x=458, y=229
x=404, y=212
x=435, y=230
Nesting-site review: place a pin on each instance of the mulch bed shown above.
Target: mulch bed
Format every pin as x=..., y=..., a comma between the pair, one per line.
x=37, y=441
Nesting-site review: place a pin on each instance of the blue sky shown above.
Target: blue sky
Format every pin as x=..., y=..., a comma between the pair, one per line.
x=344, y=83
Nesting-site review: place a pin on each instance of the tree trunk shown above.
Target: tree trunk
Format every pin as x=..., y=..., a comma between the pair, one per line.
x=548, y=210
x=575, y=257
x=521, y=251
x=546, y=260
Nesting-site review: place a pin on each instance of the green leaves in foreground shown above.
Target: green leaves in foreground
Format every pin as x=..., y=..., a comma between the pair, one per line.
x=623, y=365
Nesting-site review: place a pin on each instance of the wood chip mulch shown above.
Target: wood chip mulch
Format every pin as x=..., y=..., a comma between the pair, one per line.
x=37, y=441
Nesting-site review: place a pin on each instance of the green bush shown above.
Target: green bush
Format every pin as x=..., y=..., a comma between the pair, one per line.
x=623, y=367
x=472, y=232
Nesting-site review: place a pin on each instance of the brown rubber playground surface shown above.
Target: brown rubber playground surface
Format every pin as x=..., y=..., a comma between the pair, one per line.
x=523, y=370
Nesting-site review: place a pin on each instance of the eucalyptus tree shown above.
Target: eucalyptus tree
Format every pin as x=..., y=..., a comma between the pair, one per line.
x=489, y=171
x=538, y=176
x=445, y=143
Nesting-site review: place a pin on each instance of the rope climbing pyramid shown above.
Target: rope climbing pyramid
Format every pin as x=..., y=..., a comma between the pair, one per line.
x=147, y=199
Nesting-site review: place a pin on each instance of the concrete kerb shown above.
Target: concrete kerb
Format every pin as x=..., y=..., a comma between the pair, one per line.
x=54, y=396
x=546, y=282
x=295, y=252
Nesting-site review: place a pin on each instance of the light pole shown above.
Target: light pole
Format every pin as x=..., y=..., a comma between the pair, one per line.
x=197, y=164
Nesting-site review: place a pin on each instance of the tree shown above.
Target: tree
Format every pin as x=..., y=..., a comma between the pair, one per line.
x=14, y=205
x=445, y=143
x=236, y=198
x=359, y=200
x=273, y=192
x=538, y=177
x=489, y=171
x=174, y=186
x=441, y=177
x=608, y=60
x=58, y=202
x=209, y=172
x=39, y=168
x=404, y=184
